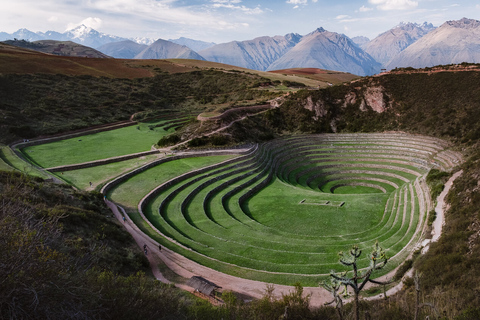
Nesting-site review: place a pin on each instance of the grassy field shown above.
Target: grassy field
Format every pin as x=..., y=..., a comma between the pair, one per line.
x=130, y=192
x=97, y=146
x=9, y=161
x=280, y=214
x=98, y=175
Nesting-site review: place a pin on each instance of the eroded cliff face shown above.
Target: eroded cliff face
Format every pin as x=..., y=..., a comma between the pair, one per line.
x=372, y=96
x=317, y=107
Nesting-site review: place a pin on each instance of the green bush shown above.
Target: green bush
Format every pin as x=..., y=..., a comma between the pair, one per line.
x=169, y=140
x=407, y=265
x=198, y=142
x=293, y=84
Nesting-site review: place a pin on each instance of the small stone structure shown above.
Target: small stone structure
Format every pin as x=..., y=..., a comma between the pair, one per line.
x=202, y=285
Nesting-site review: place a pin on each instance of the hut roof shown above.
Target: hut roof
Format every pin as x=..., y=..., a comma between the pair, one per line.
x=202, y=285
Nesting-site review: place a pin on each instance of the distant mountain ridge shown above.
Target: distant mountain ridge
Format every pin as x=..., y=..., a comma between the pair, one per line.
x=82, y=35
x=60, y=48
x=405, y=45
x=327, y=50
x=126, y=49
x=257, y=54
x=163, y=49
x=453, y=42
x=195, y=45
x=390, y=43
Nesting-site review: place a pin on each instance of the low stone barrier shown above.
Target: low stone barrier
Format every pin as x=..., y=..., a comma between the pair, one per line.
x=101, y=162
x=127, y=175
x=361, y=184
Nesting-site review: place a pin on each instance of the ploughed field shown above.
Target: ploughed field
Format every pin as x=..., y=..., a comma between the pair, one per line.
x=282, y=211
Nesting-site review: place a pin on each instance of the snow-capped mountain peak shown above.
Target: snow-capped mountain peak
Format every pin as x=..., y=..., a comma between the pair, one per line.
x=81, y=31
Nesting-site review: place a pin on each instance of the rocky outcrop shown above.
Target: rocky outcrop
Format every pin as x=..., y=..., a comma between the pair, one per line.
x=317, y=107
x=374, y=98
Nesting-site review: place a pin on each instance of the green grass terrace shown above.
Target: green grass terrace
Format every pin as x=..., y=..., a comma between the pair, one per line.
x=281, y=212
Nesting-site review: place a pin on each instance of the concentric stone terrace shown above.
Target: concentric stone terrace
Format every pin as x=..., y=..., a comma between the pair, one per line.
x=282, y=212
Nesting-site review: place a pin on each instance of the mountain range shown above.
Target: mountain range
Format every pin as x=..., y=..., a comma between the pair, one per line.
x=406, y=45
x=388, y=44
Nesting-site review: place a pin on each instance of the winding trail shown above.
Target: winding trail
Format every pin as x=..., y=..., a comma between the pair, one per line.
x=442, y=207
x=436, y=232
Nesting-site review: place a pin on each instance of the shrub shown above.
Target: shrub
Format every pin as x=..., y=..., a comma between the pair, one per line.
x=197, y=142
x=169, y=140
x=293, y=84
x=407, y=265
x=219, y=140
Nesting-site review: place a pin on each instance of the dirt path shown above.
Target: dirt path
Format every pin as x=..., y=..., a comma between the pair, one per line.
x=187, y=268
x=436, y=232
x=442, y=207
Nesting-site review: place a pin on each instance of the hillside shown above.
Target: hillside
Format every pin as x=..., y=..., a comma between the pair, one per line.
x=441, y=103
x=16, y=60
x=60, y=250
x=60, y=48
x=332, y=77
x=46, y=94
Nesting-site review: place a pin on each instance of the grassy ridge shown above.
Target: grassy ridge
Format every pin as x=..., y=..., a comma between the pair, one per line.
x=41, y=104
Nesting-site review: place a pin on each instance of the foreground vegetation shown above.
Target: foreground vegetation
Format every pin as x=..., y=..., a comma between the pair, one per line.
x=59, y=270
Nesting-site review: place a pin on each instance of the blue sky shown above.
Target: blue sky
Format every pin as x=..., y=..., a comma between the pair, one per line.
x=227, y=20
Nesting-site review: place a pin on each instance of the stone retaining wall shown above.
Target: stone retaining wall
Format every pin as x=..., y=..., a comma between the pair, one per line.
x=101, y=162
x=127, y=175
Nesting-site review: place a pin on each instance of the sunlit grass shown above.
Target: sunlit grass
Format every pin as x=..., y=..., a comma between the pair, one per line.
x=107, y=144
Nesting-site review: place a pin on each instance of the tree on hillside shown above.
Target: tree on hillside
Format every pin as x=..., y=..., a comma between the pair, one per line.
x=359, y=279
x=333, y=286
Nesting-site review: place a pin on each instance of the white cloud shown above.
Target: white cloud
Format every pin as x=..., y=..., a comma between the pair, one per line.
x=297, y=2
x=365, y=9
x=226, y=1
x=164, y=11
x=342, y=16
x=244, y=9
x=387, y=5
